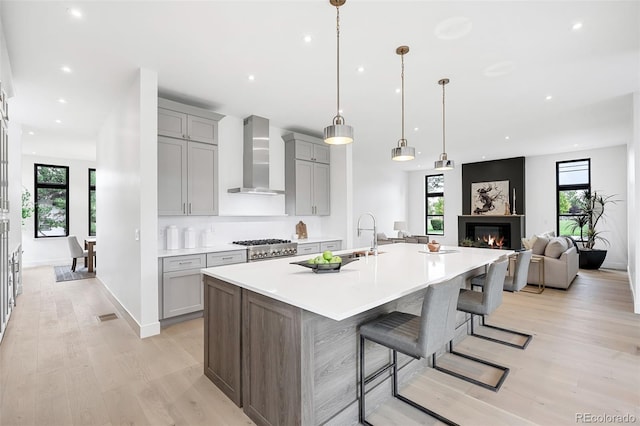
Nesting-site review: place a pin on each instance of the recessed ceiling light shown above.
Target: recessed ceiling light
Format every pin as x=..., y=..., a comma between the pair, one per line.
x=453, y=28
x=484, y=156
x=575, y=144
x=33, y=152
x=549, y=97
x=397, y=90
x=62, y=101
x=31, y=133
x=415, y=129
x=576, y=26
x=76, y=13
x=507, y=137
x=65, y=68
x=499, y=69
x=419, y=165
x=419, y=152
x=58, y=121
x=360, y=68
x=252, y=77
x=307, y=39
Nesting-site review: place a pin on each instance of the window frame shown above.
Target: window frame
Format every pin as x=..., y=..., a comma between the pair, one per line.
x=90, y=189
x=428, y=195
x=572, y=187
x=36, y=186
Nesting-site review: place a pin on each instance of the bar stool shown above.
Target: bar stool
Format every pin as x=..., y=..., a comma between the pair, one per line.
x=416, y=336
x=511, y=283
x=481, y=303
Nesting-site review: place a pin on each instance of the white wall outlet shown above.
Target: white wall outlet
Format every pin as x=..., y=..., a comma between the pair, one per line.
x=136, y=234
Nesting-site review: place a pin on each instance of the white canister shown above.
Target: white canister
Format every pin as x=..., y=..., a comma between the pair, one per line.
x=173, y=242
x=189, y=238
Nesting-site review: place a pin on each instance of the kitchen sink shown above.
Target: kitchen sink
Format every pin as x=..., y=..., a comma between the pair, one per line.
x=361, y=253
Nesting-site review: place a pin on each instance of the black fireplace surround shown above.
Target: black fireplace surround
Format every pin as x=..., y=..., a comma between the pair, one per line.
x=509, y=228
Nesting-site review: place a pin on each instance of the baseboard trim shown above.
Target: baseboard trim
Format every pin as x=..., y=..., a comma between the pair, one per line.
x=142, y=331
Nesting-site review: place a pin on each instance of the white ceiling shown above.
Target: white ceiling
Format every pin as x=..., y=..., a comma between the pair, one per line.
x=204, y=52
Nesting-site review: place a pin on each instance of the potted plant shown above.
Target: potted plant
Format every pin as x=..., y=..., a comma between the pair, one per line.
x=592, y=208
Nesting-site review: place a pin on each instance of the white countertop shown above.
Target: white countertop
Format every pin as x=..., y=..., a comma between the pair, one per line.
x=399, y=269
x=316, y=240
x=201, y=250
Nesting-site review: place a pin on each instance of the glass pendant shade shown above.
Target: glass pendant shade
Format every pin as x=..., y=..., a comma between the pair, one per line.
x=338, y=134
x=443, y=163
x=403, y=152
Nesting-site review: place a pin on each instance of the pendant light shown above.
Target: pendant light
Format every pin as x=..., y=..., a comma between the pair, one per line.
x=403, y=152
x=443, y=163
x=338, y=133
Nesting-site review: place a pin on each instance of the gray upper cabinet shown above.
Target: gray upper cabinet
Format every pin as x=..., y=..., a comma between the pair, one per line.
x=187, y=178
x=181, y=121
x=307, y=177
x=187, y=160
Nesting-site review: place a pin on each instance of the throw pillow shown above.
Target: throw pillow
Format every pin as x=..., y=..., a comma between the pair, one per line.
x=539, y=245
x=556, y=247
x=528, y=243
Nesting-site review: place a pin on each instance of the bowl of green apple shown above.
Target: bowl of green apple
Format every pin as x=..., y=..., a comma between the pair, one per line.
x=325, y=262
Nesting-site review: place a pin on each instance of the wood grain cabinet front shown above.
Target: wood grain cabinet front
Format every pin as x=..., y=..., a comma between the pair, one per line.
x=222, y=344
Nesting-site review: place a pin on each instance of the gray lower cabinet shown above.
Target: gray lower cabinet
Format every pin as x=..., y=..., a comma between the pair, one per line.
x=181, y=289
x=182, y=285
x=312, y=248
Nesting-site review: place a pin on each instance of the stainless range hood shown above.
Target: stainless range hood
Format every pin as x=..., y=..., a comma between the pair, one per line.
x=255, y=164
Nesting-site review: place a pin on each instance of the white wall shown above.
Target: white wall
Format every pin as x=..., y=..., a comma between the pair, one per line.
x=55, y=250
x=126, y=186
x=608, y=177
x=633, y=190
x=452, y=204
x=382, y=191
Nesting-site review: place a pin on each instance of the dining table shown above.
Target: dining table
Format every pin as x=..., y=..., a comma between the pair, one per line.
x=89, y=245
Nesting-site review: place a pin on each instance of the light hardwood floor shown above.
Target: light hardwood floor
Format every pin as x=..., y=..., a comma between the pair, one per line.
x=59, y=365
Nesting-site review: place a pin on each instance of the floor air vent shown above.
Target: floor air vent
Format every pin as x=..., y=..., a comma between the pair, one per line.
x=107, y=317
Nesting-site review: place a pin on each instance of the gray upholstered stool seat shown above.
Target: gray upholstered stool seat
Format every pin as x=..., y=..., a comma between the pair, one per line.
x=511, y=283
x=416, y=336
x=481, y=303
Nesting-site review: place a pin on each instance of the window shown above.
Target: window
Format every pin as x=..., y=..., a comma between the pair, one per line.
x=51, y=200
x=435, y=205
x=573, y=179
x=92, y=202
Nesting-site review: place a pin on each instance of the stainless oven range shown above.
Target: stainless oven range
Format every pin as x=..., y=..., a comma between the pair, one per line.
x=268, y=249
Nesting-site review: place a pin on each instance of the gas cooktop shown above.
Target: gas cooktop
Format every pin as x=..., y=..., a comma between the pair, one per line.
x=263, y=242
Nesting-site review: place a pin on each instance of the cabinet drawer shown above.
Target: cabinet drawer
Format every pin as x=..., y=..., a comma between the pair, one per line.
x=308, y=248
x=226, y=258
x=180, y=263
x=331, y=245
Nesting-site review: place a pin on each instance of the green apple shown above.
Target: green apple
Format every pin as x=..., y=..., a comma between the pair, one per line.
x=327, y=254
x=336, y=259
x=311, y=261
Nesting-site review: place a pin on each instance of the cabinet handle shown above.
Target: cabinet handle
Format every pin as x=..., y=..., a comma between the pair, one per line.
x=184, y=208
x=185, y=263
x=184, y=136
x=189, y=208
x=227, y=258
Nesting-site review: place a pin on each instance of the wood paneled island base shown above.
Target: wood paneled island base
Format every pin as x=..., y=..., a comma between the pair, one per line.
x=287, y=365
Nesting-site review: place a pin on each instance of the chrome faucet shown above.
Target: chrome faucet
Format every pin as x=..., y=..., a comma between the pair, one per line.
x=374, y=246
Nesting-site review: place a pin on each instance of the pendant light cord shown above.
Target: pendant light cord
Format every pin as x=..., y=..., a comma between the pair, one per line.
x=338, y=61
x=443, y=127
x=403, y=140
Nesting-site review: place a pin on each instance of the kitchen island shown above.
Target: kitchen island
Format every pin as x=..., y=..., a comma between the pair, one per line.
x=281, y=341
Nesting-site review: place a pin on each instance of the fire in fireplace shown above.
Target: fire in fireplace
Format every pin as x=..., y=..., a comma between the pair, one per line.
x=494, y=235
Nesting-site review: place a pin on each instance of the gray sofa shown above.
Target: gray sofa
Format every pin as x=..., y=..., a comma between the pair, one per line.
x=560, y=256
